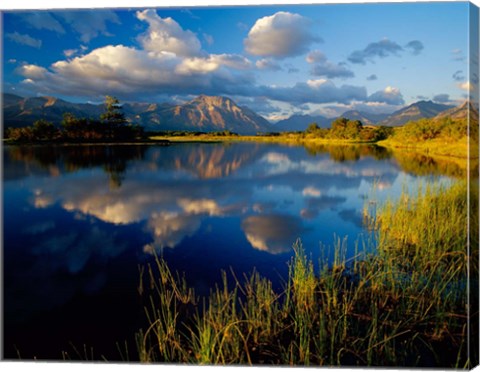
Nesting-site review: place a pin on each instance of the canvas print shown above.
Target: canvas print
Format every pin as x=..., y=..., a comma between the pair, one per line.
x=289, y=185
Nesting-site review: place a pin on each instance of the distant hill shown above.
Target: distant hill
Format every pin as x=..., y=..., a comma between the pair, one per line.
x=416, y=111
x=10, y=99
x=367, y=118
x=204, y=113
x=19, y=111
x=460, y=112
x=300, y=123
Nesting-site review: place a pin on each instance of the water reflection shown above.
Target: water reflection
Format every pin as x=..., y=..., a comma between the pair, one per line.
x=352, y=216
x=342, y=153
x=64, y=159
x=203, y=161
x=215, y=161
x=168, y=229
x=424, y=165
x=78, y=219
x=273, y=233
x=51, y=257
x=171, y=190
x=314, y=205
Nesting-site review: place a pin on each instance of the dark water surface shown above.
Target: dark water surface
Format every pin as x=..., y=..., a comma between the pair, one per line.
x=79, y=222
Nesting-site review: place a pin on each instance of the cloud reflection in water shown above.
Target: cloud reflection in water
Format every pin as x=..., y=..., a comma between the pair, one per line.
x=173, y=207
x=273, y=233
x=268, y=195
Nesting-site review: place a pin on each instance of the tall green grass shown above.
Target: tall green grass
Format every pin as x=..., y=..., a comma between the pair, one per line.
x=403, y=305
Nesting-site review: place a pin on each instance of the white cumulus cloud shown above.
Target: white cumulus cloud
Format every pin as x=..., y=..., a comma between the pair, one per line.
x=166, y=35
x=280, y=35
x=205, y=65
x=32, y=72
x=127, y=71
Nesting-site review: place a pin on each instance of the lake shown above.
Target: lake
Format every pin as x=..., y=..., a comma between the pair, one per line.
x=80, y=222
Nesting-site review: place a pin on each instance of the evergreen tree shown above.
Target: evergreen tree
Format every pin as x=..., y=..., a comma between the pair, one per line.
x=113, y=116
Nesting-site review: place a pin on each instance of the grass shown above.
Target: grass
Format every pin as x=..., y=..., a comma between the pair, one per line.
x=285, y=138
x=438, y=147
x=405, y=305
x=440, y=137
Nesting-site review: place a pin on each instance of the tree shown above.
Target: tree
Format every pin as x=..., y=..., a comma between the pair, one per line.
x=44, y=130
x=112, y=126
x=339, y=124
x=70, y=126
x=353, y=129
x=80, y=128
x=114, y=120
x=346, y=129
x=312, y=128
x=383, y=132
x=20, y=134
x=113, y=115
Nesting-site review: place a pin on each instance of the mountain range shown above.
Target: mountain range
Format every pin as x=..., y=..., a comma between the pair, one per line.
x=418, y=110
x=207, y=114
x=204, y=113
x=301, y=122
x=461, y=112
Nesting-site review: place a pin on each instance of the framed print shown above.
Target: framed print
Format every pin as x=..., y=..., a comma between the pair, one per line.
x=280, y=185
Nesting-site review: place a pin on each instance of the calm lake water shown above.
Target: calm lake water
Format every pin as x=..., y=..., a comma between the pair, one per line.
x=80, y=221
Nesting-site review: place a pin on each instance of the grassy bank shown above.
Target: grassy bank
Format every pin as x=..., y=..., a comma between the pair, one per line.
x=436, y=147
x=444, y=147
x=287, y=138
x=439, y=137
x=404, y=306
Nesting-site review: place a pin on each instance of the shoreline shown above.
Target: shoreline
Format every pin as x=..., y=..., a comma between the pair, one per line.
x=459, y=150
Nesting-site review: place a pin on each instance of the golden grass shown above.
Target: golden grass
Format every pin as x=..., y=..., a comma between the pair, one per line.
x=287, y=138
x=435, y=147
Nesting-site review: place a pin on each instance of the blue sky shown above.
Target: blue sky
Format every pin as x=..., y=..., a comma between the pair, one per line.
x=277, y=60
